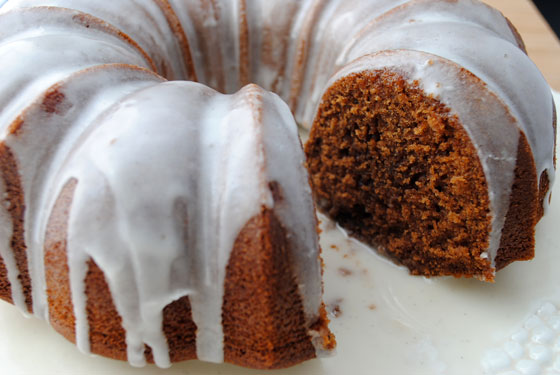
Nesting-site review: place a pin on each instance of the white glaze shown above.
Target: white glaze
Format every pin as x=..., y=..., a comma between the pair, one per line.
x=311, y=44
x=143, y=21
x=23, y=44
x=87, y=94
x=208, y=183
x=20, y=47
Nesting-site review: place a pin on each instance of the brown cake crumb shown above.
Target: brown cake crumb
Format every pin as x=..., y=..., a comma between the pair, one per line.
x=398, y=171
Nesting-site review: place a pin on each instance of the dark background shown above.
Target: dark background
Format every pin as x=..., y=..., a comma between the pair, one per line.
x=550, y=9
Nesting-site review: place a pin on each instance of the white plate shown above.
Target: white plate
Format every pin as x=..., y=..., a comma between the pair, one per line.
x=386, y=322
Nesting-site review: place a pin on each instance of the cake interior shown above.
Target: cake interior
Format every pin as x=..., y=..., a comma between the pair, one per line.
x=396, y=169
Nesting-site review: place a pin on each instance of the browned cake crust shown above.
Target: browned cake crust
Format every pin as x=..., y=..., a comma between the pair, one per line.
x=526, y=205
x=16, y=208
x=263, y=320
x=5, y=287
x=274, y=50
x=211, y=63
x=518, y=234
x=392, y=166
x=262, y=316
x=244, y=45
x=179, y=33
x=516, y=34
x=57, y=274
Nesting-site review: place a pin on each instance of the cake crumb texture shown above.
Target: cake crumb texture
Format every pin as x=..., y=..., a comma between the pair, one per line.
x=396, y=168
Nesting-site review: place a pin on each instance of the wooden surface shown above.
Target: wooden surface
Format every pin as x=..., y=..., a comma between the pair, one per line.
x=542, y=44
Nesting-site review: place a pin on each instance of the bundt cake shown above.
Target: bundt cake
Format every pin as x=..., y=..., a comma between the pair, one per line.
x=432, y=138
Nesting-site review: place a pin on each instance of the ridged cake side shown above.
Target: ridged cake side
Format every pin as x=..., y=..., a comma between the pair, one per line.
x=262, y=311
